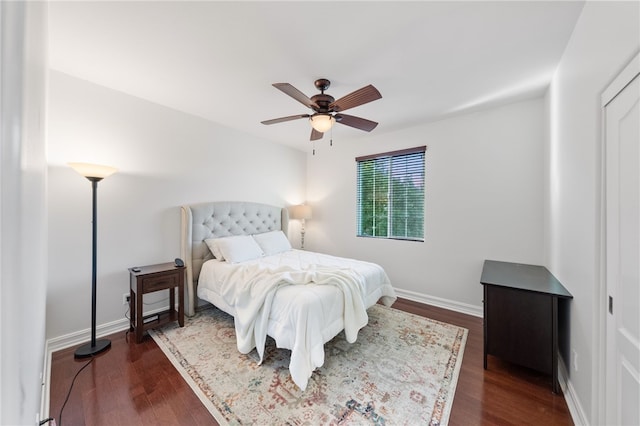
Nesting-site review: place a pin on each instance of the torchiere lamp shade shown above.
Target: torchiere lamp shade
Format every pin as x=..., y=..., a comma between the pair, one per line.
x=93, y=170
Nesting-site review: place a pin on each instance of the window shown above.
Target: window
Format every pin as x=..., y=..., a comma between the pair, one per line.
x=391, y=195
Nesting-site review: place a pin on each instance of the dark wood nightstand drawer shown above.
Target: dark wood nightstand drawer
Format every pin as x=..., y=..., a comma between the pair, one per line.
x=162, y=282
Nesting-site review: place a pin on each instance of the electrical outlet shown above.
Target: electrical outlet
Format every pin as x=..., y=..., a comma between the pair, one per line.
x=125, y=298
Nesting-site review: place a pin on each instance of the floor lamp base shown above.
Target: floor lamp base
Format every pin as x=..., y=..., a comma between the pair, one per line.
x=89, y=350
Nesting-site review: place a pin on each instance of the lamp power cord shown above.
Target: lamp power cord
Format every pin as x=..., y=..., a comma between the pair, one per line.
x=45, y=421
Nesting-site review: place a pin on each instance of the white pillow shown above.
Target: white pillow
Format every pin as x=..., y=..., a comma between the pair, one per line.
x=239, y=248
x=272, y=242
x=212, y=243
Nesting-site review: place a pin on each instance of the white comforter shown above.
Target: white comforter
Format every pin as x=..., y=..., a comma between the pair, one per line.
x=260, y=296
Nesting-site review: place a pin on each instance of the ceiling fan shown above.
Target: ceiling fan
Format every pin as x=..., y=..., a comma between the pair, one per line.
x=327, y=110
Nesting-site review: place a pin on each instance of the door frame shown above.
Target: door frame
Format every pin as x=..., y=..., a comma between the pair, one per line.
x=622, y=80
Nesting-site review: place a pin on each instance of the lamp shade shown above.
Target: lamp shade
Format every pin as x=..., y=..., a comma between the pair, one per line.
x=93, y=170
x=322, y=122
x=300, y=212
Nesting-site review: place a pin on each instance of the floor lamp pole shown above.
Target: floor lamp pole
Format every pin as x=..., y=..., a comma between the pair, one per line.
x=95, y=346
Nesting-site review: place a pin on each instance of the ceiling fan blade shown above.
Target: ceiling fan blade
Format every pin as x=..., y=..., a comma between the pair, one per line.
x=315, y=135
x=357, y=122
x=357, y=98
x=283, y=119
x=295, y=94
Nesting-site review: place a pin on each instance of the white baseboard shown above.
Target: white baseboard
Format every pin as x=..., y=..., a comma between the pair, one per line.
x=578, y=414
x=78, y=337
x=452, y=305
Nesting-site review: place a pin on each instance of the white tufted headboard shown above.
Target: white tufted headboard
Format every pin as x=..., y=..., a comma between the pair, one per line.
x=221, y=219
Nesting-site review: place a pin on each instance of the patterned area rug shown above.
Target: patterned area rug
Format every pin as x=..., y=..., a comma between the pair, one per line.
x=403, y=369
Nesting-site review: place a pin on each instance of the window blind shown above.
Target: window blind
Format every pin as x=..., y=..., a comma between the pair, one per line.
x=390, y=194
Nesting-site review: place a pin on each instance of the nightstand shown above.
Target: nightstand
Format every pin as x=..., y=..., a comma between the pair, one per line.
x=148, y=279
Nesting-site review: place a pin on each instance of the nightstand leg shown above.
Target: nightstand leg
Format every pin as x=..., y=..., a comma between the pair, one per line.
x=181, y=305
x=139, y=320
x=132, y=309
x=172, y=303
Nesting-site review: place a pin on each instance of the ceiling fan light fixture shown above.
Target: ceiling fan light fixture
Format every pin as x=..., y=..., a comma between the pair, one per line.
x=322, y=122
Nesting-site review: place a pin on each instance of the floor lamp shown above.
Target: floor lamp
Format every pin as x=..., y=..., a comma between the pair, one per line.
x=95, y=173
x=301, y=212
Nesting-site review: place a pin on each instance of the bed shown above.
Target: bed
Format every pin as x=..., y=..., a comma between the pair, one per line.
x=272, y=289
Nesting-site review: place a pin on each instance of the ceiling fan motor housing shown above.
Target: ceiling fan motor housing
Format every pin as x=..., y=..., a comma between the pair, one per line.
x=323, y=101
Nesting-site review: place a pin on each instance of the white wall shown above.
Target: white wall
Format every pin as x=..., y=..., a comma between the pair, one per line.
x=606, y=37
x=165, y=158
x=484, y=192
x=22, y=209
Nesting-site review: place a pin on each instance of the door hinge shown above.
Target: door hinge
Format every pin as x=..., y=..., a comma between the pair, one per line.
x=611, y=305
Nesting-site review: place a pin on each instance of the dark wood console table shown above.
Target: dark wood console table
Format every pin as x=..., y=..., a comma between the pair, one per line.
x=521, y=315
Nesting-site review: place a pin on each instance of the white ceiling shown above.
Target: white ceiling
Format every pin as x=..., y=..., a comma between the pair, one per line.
x=217, y=60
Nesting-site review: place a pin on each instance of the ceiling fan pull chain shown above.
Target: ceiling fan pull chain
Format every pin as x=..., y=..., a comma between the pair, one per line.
x=314, y=147
x=331, y=139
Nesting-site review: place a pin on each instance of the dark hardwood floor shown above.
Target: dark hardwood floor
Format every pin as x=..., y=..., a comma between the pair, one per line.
x=135, y=384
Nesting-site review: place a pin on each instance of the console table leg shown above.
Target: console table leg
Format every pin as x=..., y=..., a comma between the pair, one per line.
x=484, y=325
x=554, y=355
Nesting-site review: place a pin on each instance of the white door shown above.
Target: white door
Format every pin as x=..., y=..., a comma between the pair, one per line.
x=622, y=176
